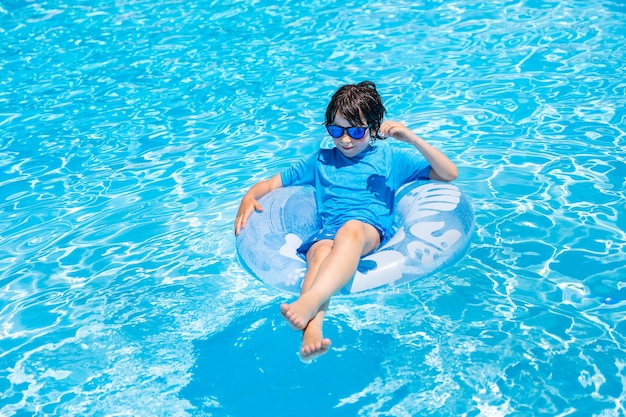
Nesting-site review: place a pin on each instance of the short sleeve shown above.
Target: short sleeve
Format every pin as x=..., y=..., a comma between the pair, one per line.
x=409, y=165
x=300, y=173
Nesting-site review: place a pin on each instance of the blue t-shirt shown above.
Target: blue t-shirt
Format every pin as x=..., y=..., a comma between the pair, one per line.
x=358, y=188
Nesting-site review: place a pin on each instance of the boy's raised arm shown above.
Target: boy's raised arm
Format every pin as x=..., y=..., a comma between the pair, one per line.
x=442, y=168
x=250, y=203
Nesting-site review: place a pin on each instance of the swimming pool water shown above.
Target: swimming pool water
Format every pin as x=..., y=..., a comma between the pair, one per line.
x=129, y=131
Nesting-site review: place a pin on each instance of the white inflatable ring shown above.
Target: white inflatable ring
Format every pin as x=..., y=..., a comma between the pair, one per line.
x=434, y=222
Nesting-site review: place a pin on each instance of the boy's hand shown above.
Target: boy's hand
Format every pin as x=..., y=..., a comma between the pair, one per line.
x=247, y=206
x=249, y=202
x=396, y=130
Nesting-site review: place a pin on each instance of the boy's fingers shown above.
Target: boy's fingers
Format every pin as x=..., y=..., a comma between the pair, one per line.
x=242, y=219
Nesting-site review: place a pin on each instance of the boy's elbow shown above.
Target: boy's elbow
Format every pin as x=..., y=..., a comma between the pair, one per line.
x=447, y=176
x=452, y=173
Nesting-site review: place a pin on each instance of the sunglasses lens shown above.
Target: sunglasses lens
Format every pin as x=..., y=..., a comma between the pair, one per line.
x=335, y=131
x=356, y=132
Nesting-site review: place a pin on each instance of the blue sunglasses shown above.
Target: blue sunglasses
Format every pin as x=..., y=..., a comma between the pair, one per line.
x=355, y=132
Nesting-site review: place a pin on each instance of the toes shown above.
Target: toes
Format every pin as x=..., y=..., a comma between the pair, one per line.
x=291, y=317
x=314, y=349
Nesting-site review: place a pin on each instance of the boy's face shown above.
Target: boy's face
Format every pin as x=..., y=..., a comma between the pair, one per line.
x=348, y=146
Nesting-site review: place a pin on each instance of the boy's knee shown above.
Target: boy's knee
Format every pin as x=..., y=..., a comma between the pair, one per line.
x=319, y=251
x=360, y=233
x=353, y=224
x=352, y=229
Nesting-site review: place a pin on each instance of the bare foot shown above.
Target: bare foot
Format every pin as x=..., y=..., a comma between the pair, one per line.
x=313, y=343
x=299, y=313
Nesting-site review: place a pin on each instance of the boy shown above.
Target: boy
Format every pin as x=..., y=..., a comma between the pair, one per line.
x=355, y=184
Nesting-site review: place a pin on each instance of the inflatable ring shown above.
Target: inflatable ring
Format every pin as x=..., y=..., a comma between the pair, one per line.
x=433, y=225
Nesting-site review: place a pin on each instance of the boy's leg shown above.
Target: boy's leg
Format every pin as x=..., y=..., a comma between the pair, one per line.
x=313, y=341
x=352, y=240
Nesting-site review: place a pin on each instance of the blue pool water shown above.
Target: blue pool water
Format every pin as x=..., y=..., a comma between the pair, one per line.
x=130, y=129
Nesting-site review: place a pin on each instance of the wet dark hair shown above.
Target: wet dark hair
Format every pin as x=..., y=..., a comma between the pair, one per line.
x=357, y=102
